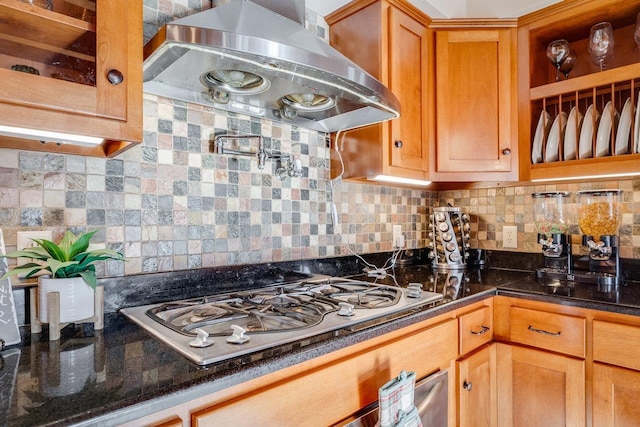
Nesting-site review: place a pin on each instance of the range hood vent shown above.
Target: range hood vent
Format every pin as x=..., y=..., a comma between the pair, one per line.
x=257, y=59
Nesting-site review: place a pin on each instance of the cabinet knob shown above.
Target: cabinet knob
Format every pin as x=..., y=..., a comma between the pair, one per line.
x=398, y=143
x=115, y=77
x=467, y=386
x=506, y=151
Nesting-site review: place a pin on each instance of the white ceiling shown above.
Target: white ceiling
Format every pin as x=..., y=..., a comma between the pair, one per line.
x=453, y=8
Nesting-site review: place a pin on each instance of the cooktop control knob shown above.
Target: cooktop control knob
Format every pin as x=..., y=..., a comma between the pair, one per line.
x=201, y=340
x=238, y=336
x=415, y=290
x=346, y=309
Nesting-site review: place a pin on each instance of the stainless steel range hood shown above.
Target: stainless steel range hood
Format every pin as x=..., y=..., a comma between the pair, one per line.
x=248, y=58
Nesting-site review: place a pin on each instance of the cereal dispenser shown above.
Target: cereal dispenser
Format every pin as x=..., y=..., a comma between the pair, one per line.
x=551, y=221
x=599, y=217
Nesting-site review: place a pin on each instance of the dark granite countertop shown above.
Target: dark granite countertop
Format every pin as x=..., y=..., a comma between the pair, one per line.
x=122, y=373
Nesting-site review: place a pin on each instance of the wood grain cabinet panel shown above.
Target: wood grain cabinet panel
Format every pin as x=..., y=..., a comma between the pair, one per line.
x=77, y=59
x=330, y=392
x=539, y=388
x=476, y=108
x=549, y=331
x=476, y=329
x=616, y=344
x=616, y=394
x=395, y=49
x=476, y=388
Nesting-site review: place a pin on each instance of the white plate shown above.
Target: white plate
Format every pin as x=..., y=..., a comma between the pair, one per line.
x=571, y=132
x=624, y=128
x=544, y=123
x=589, y=123
x=636, y=129
x=555, y=135
x=603, y=136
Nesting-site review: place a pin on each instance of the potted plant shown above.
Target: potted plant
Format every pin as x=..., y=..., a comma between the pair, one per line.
x=70, y=271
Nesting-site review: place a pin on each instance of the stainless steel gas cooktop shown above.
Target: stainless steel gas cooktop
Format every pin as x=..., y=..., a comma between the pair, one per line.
x=218, y=327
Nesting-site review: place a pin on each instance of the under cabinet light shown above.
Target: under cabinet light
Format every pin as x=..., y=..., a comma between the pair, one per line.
x=586, y=177
x=400, y=180
x=49, y=136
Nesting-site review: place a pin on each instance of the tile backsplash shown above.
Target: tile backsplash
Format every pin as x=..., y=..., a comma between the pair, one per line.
x=172, y=204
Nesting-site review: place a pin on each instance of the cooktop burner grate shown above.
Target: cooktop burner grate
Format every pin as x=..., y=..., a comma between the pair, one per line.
x=272, y=316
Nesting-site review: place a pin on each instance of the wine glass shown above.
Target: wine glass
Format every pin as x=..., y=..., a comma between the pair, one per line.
x=557, y=52
x=601, y=43
x=568, y=63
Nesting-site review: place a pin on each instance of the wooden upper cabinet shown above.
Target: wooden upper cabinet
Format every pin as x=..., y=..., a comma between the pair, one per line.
x=583, y=147
x=390, y=40
x=476, y=106
x=74, y=67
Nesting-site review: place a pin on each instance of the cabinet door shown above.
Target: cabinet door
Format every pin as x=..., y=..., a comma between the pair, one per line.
x=477, y=388
x=84, y=76
x=329, y=392
x=475, y=104
x=408, y=80
x=539, y=388
x=396, y=50
x=616, y=393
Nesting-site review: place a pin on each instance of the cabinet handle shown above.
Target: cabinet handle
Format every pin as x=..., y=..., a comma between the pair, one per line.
x=543, y=332
x=115, y=77
x=467, y=385
x=398, y=143
x=506, y=151
x=482, y=331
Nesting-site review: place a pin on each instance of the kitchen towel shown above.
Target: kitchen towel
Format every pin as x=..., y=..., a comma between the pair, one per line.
x=396, y=405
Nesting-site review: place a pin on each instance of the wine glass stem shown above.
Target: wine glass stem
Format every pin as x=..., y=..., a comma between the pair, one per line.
x=558, y=72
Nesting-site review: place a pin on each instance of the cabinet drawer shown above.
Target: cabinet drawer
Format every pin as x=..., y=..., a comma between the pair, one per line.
x=616, y=344
x=476, y=329
x=550, y=331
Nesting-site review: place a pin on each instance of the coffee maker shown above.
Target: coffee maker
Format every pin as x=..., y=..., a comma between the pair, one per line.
x=551, y=221
x=599, y=218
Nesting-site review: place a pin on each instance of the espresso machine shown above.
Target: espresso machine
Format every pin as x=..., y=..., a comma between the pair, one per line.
x=449, y=238
x=599, y=218
x=551, y=221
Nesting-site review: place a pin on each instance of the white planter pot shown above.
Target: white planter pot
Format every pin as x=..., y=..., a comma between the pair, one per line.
x=76, y=299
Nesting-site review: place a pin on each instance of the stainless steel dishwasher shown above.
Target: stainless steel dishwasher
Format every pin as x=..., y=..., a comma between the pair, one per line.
x=431, y=397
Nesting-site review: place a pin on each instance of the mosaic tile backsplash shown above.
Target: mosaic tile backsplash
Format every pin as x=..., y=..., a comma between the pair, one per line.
x=172, y=204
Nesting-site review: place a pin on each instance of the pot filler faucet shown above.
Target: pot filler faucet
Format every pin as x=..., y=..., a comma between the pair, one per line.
x=289, y=167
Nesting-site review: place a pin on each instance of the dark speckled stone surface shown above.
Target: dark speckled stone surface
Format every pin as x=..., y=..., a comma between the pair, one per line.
x=122, y=373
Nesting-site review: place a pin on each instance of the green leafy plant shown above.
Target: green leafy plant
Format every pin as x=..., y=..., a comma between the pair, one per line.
x=68, y=259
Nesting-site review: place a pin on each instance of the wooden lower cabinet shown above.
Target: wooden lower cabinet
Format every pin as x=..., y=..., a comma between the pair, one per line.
x=476, y=388
x=616, y=396
x=538, y=388
x=330, y=391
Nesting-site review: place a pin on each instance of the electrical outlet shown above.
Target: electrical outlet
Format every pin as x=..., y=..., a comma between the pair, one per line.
x=510, y=236
x=24, y=241
x=398, y=237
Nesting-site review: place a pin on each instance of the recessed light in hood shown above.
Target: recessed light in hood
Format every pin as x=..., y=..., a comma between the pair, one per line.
x=246, y=58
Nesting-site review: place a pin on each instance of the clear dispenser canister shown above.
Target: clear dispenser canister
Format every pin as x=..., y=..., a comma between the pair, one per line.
x=550, y=212
x=599, y=212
